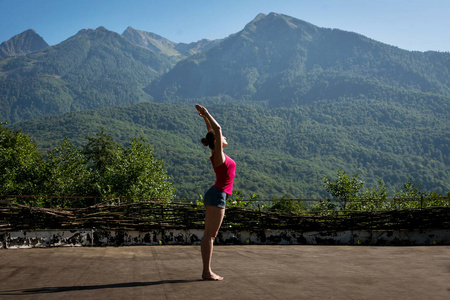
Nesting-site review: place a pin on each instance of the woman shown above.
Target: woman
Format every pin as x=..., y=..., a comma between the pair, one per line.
x=216, y=197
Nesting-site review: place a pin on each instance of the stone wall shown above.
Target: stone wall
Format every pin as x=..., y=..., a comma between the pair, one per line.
x=101, y=238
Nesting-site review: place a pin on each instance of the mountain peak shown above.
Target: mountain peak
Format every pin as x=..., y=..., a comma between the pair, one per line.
x=129, y=28
x=150, y=41
x=26, y=42
x=29, y=32
x=259, y=17
x=84, y=31
x=277, y=28
x=90, y=30
x=130, y=31
x=283, y=19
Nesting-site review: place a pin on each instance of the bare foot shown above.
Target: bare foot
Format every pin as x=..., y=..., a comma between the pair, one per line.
x=212, y=276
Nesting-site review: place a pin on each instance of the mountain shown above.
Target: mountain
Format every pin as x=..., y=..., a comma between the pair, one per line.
x=94, y=68
x=26, y=42
x=163, y=46
x=296, y=102
x=283, y=61
x=275, y=61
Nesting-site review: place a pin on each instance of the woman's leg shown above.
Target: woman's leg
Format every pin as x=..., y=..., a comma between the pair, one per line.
x=213, y=220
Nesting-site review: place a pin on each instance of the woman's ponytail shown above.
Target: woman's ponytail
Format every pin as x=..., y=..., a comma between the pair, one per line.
x=208, y=140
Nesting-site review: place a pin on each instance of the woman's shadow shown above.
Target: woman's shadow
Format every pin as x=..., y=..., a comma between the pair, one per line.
x=61, y=289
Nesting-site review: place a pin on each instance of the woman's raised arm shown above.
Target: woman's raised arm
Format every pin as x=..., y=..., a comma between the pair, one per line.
x=211, y=123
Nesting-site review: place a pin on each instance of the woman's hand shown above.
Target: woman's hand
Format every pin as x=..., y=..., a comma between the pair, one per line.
x=202, y=111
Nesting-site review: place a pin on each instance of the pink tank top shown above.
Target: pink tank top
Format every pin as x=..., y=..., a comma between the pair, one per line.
x=224, y=174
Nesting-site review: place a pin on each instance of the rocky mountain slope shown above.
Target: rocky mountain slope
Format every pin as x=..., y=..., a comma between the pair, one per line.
x=26, y=42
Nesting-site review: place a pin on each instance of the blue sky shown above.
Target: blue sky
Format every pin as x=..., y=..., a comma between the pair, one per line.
x=408, y=24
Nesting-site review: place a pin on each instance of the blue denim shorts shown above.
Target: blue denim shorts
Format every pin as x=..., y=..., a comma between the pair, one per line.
x=215, y=197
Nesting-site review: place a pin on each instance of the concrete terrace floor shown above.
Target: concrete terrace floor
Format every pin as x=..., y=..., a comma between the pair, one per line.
x=250, y=272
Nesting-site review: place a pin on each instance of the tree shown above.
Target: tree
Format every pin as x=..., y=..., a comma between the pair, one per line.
x=101, y=168
x=343, y=188
x=411, y=196
x=21, y=164
x=100, y=151
x=137, y=172
x=410, y=191
x=375, y=198
x=68, y=174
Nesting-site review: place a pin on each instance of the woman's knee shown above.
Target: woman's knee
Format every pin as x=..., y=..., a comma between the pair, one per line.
x=213, y=220
x=210, y=235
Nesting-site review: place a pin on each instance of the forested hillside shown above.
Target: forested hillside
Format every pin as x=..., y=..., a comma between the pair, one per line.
x=279, y=152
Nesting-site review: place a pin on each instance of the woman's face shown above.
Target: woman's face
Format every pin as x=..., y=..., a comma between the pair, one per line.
x=224, y=141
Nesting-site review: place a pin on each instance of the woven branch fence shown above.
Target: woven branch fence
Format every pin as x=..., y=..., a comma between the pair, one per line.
x=153, y=215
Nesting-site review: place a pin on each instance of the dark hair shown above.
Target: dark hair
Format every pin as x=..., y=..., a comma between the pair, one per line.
x=208, y=140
